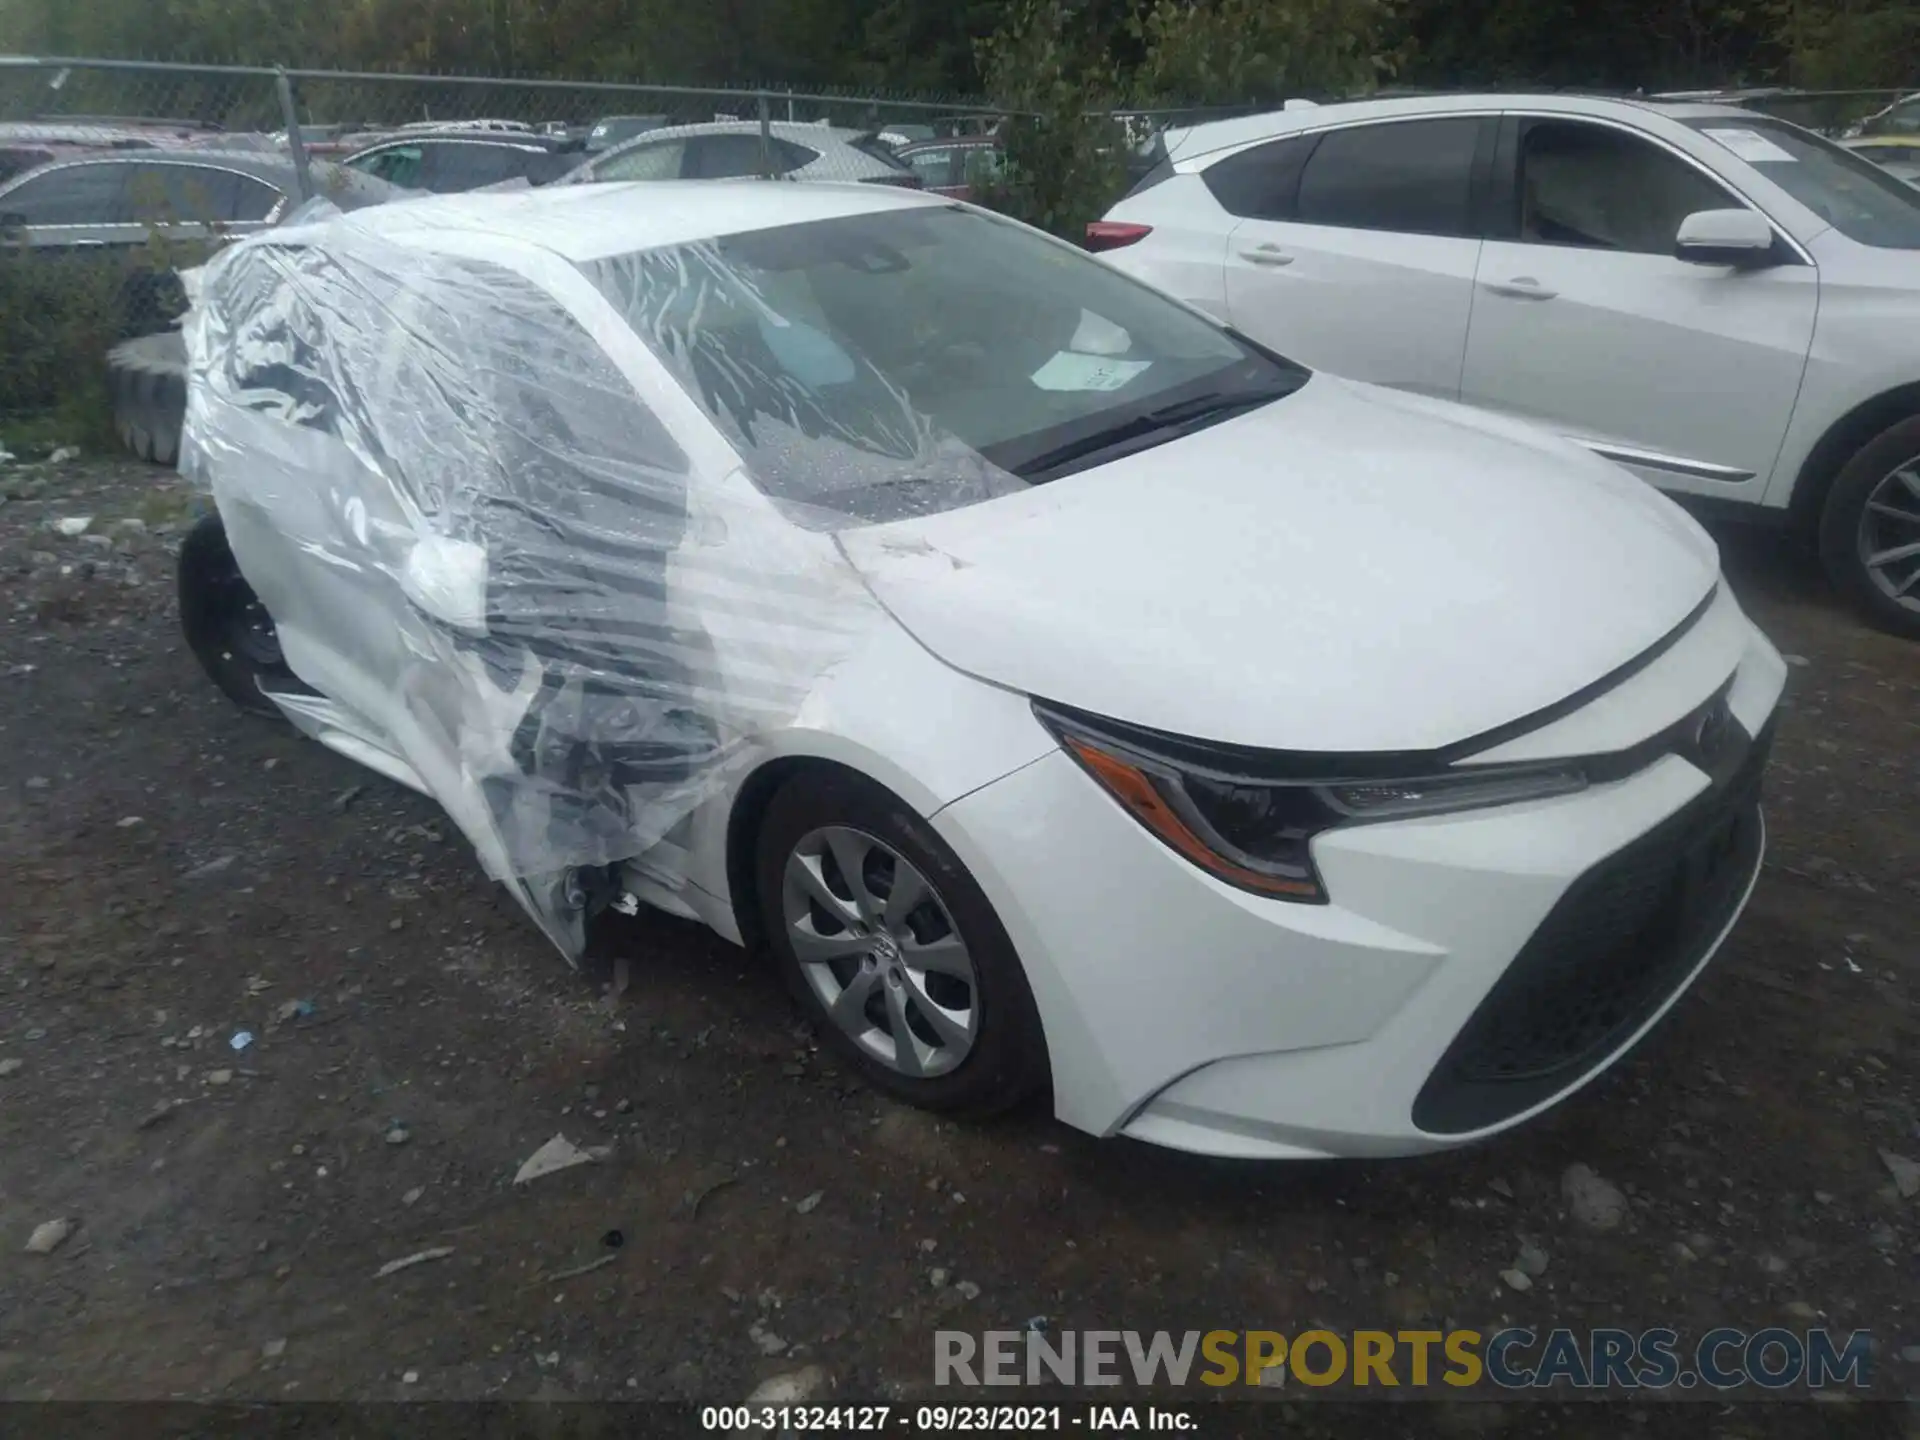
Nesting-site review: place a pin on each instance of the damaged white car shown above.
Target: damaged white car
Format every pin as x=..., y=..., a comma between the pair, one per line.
x=1073, y=696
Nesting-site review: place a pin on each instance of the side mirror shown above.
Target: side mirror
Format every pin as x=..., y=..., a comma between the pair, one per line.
x=1742, y=238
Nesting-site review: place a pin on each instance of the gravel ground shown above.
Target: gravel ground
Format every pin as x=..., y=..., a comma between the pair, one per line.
x=172, y=872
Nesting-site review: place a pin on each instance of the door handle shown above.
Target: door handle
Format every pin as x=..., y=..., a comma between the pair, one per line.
x=1521, y=287
x=1265, y=255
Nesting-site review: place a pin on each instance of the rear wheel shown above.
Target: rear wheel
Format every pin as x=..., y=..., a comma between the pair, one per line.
x=892, y=947
x=1870, y=529
x=227, y=628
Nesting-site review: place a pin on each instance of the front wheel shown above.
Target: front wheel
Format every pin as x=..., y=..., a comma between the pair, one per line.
x=893, y=948
x=1870, y=529
x=227, y=628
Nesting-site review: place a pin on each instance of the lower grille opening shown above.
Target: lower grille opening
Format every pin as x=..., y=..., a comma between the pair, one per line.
x=1622, y=939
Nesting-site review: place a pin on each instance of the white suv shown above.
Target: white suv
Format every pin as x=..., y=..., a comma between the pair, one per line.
x=1724, y=303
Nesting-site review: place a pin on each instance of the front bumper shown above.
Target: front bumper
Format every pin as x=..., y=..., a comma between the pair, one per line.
x=1462, y=979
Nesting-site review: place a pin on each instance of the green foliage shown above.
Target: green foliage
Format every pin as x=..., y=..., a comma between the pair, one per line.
x=58, y=315
x=1065, y=160
x=1053, y=66
x=1211, y=52
x=1847, y=43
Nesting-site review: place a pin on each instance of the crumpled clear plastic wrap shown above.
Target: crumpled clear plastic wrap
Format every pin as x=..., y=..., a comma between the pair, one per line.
x=574, y=634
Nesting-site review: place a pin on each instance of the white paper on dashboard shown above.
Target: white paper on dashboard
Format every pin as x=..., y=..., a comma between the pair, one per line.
x=1070, y=370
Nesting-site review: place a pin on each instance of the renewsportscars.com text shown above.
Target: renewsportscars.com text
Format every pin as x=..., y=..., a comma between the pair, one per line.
x=1514, y=1359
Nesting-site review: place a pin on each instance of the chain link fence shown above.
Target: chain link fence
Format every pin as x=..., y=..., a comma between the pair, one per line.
x=67, y=293
x=62, y=303
x=47, y=105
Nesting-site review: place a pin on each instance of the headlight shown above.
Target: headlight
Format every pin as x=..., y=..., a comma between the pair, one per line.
x=1255, y=830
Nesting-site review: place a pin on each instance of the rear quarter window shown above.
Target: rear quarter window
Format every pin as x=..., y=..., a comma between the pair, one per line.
x=1262, y=183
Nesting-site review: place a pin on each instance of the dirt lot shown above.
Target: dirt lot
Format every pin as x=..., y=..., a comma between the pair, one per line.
x=172, y=872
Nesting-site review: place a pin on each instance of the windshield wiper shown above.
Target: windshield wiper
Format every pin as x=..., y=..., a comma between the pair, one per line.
x=1151, y=427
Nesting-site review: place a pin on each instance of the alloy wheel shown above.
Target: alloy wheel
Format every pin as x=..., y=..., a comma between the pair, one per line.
x=1890, y=536
x=880, y=949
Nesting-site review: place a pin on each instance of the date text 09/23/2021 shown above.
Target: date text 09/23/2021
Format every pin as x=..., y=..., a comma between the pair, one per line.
x=941, y=1419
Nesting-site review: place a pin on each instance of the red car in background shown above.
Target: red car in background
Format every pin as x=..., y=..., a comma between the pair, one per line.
x=956, y=165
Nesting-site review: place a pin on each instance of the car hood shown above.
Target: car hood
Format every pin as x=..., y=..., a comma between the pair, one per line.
x=1348, y=569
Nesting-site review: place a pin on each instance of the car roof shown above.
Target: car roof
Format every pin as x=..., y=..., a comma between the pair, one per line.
x=590, y=222
x=950, y=142
x=348, y=188
x=520, y=139
x=1202, y=139
x=779, y=129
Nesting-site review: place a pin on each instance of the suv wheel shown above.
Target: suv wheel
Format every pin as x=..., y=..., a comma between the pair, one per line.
x=1870, y=529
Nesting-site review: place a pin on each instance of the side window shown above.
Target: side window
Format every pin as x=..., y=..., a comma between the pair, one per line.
x=980, y=165
x=1262, y=183
x=253, y=199
x=658, y=161
x=456, y=165
x=75, y=195
x=1411, y=176
x=724, y=157
x=1600, y=189
x=180, y=194
x=14, y=162
x=934, y=167
x=397, y=165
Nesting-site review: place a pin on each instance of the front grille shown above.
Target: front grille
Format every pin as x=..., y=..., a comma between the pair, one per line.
x=1621, y=940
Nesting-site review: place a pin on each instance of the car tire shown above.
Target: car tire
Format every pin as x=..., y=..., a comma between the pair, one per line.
x=147, y=386
x=1861, y=517
x=226, y=626
x=1001, y=1060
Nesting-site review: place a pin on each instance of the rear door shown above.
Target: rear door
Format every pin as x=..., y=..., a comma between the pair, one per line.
x=1355, y=248
x=1585, y=320
x=450, y=167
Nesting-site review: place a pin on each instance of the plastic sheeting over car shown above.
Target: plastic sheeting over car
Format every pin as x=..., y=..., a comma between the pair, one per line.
x=498, y=560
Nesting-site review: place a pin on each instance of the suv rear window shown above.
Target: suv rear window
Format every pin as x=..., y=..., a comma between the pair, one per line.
x=1262, y=183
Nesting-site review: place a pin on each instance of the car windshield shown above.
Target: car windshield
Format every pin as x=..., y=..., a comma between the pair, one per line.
x=907, y=361
x=1855, y=196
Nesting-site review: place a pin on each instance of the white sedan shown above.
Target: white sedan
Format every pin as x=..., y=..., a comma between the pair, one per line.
x=1723, y=302
x=1075, y=698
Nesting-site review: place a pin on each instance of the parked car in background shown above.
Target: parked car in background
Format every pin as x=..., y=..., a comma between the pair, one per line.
x=1898, y=155
x=478, y=123
x=1077, y=699
x=111, y=206
x=444, y=162
x=954, y=167
x=732, y=150
x=611, y=130
x=1724, y=303
x=26, y=144
x=1902, y=117
x=899, y=135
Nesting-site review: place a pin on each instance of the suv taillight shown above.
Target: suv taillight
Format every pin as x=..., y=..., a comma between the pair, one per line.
x=1114, y=234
